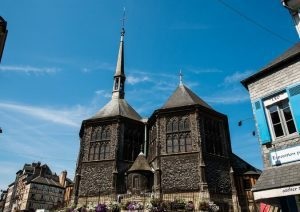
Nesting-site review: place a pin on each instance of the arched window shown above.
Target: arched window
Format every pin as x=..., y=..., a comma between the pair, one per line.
x=102, y=153
x=94, y=135
x=174, y=125
x=96, y=153
x=98, y=135
x=169, y=126
x=181, y=125
x=186, y=124
x=175, y=143
x=188, y=143
x=169, y=144
x=182, y=144
x=92, y=152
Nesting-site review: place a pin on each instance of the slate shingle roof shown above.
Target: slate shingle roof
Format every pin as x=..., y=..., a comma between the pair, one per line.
x=241, y=167
x=278, y=176
x=46, y=181
x=117, y=107
x=183, y=96
x=140, y=164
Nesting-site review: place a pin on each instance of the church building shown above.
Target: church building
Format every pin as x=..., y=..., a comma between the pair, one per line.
x=182, y=149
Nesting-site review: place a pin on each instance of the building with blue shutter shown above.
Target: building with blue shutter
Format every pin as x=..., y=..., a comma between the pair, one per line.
x=275, y=97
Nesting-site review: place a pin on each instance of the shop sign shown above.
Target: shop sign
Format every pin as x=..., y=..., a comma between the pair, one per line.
x=278, y=192
x=285, y=155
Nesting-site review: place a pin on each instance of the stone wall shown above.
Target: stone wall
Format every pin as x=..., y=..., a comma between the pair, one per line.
x=217, y=174
x=96, y=177
x=180, y=172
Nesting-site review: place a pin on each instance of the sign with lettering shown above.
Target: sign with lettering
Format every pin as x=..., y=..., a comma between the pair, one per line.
x=285, y=155
x=275, y=99
x=277, y=192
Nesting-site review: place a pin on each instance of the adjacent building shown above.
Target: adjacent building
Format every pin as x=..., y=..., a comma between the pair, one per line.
x=275, y=97
x=182, y=150
x=36, y=187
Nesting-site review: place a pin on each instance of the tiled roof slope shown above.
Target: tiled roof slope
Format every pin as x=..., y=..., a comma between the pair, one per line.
x=183, y=96
x=241, y=167
x=278, y=176
x=117, y=107
x=46, y=181
x=140, y=164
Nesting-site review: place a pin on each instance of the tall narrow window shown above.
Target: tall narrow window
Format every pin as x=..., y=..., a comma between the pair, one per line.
x=175, y=144
x=96, y=154
x=182, y=143
x=188, y=143
x=169, y=144
x=92, y=152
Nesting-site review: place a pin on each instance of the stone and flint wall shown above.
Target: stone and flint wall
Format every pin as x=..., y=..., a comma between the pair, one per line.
x=276, y=81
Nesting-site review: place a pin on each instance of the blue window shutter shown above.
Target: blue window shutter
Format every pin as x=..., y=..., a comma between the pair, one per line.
x=294, y=97
x=263, y=129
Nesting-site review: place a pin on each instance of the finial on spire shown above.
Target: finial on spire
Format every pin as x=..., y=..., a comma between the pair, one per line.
x=123, y=22
x=180, y=77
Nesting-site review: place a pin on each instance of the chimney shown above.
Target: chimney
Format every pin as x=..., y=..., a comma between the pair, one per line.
x=293, y=7
x=62, y=178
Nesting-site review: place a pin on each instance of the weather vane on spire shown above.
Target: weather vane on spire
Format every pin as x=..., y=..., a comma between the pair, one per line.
x=123, y=22
x=180, y=77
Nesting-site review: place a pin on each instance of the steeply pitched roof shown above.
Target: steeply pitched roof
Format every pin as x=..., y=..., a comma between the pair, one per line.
x=46, y=181
x=140, y=164
x=241, y=167
x=287, y=56
x=117, y=107
x=183, y=96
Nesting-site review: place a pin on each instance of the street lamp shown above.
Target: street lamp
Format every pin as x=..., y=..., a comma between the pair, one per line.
x=294, y=7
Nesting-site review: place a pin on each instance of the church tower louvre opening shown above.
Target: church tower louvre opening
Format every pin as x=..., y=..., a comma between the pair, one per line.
x=182, y=151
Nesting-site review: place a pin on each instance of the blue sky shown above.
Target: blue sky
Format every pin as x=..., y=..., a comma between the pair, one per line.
x=60, y=56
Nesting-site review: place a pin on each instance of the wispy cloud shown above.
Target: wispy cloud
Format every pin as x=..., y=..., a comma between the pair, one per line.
x=70, y=116
x=204, y=70
x=237, y=77
x=29, y=69
x=103, y=93
x=228, y=99
x=103, y=66
x=132, y=80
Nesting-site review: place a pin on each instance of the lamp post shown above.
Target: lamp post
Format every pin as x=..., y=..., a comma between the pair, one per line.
x=293, y=7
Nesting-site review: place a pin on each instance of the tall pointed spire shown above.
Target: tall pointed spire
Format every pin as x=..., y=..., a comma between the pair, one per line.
x=119, y=77
x=180, y=77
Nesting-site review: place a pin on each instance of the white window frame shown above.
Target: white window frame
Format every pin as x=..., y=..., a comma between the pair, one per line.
x=275, y=100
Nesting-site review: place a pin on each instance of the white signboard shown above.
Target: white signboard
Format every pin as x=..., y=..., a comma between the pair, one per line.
x=285, y=155
x=277, y=192
x=275, y=99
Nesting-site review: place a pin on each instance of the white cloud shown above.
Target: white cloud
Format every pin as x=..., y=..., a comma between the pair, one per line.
x=237, y=77
x=230, y=98
x=205, y=70
x=101, y=66
x=103, y=93
x=134, y=80
x=29, y=69
x=66, y=116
